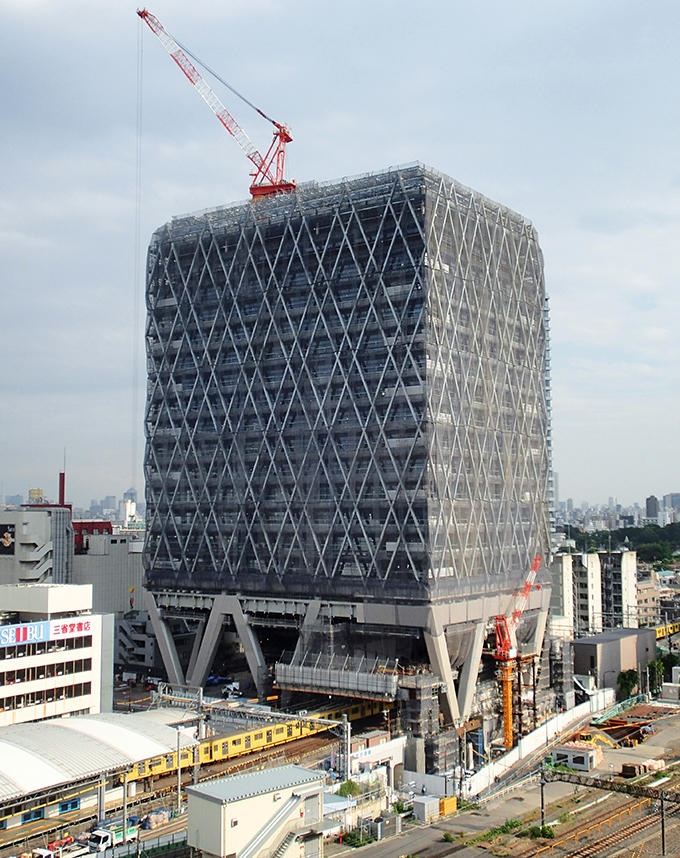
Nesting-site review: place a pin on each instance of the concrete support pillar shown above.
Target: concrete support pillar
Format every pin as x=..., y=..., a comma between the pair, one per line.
x=251, y=646
x=437, y=651
x=166, y=643
x=203, y=654
x=467, y=680
x=195, y=649
x=310, y=618
x=228, y=606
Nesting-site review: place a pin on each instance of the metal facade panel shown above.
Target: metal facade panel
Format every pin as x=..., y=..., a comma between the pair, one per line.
x=346, y=394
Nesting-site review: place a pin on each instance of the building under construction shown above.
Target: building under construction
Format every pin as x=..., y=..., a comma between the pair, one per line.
x=347, y=441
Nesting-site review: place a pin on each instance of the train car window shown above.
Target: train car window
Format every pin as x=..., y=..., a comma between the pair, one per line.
x=66, y=806
x=141, y=768
x=236, y=742
x=355, y=710
x=170, y=760
x=279, y=730
x=258, y=737
x=289, y=730
x=3, y=824
x=247, y=742
x=225, y=747
x=269, y=735
x=32, y=815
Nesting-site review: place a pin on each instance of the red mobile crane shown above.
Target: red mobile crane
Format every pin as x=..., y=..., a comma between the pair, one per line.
x=506, y=648
x=268, y=174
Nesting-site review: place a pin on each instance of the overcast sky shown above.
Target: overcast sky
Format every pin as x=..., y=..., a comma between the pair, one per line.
x=565, y=111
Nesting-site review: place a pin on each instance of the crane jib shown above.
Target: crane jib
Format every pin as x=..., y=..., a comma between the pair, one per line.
x=269, y=172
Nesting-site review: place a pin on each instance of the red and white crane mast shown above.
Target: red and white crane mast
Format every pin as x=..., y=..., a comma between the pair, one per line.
x=268, y=176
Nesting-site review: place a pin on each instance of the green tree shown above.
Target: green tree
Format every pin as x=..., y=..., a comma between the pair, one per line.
x=649, y=552
x=669, y=661
x=349, y=788
x=626, y=681
x=656, y=672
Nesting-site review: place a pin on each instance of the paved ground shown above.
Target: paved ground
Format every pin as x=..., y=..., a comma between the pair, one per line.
x=664, y=744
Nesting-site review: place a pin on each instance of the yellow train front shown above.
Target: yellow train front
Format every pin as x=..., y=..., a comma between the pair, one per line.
x=215, y=749
x=667, y=629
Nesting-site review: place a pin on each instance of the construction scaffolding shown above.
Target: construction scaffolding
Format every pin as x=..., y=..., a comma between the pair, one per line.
x=357, y=677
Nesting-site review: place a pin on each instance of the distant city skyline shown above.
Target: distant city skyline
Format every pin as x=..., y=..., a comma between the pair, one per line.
x=585, y=147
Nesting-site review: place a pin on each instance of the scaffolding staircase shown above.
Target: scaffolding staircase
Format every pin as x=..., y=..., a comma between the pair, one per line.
x=282, y=848
x=270, y=828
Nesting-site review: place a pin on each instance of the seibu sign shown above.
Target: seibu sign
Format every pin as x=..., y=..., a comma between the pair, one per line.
x=47, y=630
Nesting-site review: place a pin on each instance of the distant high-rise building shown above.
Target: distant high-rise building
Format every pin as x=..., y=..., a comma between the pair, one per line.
x=672, y=501
x=652, y=507
x=14, y=500
x=347, y=422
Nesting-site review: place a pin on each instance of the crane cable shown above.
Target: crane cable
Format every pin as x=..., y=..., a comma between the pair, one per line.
x=228, y=85
x=137, y=262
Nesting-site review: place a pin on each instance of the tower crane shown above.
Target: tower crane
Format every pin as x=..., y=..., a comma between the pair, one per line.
x=506, y=648
x=268, y=173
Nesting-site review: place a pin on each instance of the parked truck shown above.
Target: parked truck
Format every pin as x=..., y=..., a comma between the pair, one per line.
x=102, y=838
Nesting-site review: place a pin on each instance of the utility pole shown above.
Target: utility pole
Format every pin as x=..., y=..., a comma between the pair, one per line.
x=346, y=743
x=543, y=782
x=520, y=713
x=663, y=826
x=179, y=776
x=125, y=805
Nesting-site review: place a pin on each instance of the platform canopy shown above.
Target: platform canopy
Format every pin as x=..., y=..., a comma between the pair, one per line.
x=44, y=754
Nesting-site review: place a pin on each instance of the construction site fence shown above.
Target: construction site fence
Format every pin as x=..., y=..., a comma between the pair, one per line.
x=480, y=785
x=482, y=781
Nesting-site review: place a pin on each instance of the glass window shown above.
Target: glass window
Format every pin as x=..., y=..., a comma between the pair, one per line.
x=32, y=815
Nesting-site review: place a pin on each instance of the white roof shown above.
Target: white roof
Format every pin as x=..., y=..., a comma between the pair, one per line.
x=237, y=787
x=43, y=754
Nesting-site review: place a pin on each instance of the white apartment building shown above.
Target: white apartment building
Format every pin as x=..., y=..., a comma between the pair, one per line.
x=587, y=578
x=592, y=592
x=56, y=656
x=561, y=616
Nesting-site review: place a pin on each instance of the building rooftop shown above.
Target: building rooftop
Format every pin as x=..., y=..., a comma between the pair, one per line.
x=42, y=754
x=612, y=635
x=46, y=598
x=249, y=784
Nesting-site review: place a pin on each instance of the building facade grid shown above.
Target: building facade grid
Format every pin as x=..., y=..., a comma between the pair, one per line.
x=346, y=394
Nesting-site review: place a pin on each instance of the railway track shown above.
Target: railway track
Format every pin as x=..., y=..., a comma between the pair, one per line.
x=615, y=839
x=298, y=751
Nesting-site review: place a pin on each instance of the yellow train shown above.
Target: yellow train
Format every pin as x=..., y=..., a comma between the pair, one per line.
x=216, y=748
x=667, y=629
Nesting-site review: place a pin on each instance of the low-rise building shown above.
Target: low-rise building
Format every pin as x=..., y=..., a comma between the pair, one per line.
x=577, y=755
x=276, y=811
x=606, y=655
